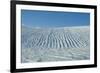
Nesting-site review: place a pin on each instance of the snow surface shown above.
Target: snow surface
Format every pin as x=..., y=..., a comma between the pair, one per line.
x=55, y=44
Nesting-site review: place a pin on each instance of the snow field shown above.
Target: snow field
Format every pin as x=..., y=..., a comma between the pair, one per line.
x=55, y=44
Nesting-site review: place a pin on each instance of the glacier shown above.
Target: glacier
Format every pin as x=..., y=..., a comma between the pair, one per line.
x=55, y=44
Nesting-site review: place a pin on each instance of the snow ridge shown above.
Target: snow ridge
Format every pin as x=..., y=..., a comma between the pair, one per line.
x=56, y=38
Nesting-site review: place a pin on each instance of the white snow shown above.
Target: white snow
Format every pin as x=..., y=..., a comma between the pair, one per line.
x=55, y=44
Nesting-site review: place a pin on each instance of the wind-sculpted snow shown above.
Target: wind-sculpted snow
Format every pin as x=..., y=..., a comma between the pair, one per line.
x=55, y=44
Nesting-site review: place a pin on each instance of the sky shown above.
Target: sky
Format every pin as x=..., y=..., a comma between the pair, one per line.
x=36, y=18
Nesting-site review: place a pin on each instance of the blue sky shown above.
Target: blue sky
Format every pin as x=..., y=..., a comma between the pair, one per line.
x=34, y=18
